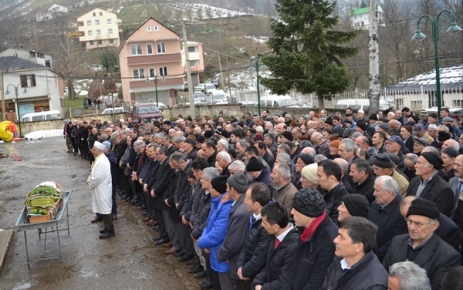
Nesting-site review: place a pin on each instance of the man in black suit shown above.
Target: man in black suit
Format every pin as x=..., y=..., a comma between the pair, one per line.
x=421, y=245
x=447, y=230
x=429, y=185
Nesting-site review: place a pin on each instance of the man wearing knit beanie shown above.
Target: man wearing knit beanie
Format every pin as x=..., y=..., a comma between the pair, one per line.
x=353, y=204
x=385, y=213
x=238, y=225
x=422, y=245
x=317, y=232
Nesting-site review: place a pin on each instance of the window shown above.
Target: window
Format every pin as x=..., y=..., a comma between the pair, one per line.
x=91, y=42
x=194, y=62
x=90, y=32
x=152, y=72
x=399, y=103
x=416, y=105
x=138, y=73
x=100, y=41
x=109, y=21
x=163, y=71
x=98, y=31
x=97, y=22
x=136, y=49
x=192, y=49
x=94, y=14
x=27, y=80
x=161, y=47
x=111, y=41
x=156, y=28
x=89, y=22
x=110, y=30
x=148, y=28
x=149, y=48
x=101, y=13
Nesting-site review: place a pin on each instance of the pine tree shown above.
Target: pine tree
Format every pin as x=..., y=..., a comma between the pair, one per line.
x=306, y=51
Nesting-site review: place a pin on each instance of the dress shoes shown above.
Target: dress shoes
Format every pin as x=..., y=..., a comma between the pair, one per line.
x=179, y=254
x=201, y=275
x=114, y=217
x=205, y=284
x=123, y=196
x=171, y=251
x=193, y=261
x=150, y=222
x=156, y=239
x=161, y=242
x=95, y=220
x=106, y=235
x=168, y=245
x=142, y=207
x=186, y=257
x=139, y=204
x=196, y=269
x=145, y=219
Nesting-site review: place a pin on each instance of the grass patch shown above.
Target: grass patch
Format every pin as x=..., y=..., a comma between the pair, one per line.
x=76, y=103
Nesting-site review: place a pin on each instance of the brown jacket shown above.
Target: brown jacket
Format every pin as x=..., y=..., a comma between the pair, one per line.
x=285, y=195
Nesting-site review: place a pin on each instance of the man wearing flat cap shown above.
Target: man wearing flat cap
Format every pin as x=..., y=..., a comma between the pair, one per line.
x=420, y=132
x=421, y=245
x=317, y=232
x=238, y=225
x=383, y=165
x=429, y=185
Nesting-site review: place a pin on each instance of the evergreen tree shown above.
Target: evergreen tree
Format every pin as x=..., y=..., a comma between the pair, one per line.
x=306, y=51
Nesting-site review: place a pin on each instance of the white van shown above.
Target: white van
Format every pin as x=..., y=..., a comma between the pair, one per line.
x=277, y=101
x=360, y=104
x=117, y=110
x=218, y=96
x=41, y=116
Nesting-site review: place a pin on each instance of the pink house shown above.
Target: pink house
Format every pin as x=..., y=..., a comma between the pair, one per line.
x=151, y=61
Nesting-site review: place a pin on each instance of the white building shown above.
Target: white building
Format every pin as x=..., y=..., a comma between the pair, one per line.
x=38, y=87
x=419, y=92
x=52, y=12
x=360, y=18
x=31, y=55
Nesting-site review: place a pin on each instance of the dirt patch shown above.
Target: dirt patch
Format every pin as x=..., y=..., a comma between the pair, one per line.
x=4, y=186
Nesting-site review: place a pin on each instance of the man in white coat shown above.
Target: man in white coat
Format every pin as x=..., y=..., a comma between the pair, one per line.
x=100, y=183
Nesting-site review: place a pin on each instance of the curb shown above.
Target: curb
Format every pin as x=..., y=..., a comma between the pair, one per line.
x=5, y=241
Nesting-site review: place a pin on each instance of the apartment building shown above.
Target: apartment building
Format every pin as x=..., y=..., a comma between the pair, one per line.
x=195, y=55
x=99, y=28
x=151, y=62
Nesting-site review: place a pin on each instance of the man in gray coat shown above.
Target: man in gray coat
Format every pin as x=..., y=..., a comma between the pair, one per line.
x=238, y=227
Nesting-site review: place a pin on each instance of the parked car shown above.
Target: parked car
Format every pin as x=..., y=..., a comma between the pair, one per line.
x=209, y=88
x=117, y=110
x=218, y=96
x=185, y=87
x=41, y=116
x=146, y=111
x=199, y=87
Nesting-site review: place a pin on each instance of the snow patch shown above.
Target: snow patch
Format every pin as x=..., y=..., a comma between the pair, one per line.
x=36, y=135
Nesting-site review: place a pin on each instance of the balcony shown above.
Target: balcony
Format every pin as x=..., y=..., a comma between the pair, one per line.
x=169, y=83
x=80, y=23
x=154, y=59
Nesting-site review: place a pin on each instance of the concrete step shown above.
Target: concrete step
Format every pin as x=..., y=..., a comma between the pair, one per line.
x=5, y=240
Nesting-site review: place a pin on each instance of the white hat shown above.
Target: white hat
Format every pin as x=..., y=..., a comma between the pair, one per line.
x=309, y=172
x=99, y=146
x=259, y=129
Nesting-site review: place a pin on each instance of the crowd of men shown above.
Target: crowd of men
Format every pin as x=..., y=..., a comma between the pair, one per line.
x=277, y=202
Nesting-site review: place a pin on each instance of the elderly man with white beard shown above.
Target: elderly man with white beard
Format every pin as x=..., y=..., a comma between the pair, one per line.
x=100, y=182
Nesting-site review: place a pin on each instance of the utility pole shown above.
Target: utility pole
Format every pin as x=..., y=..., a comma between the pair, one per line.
x=373, y=48
x=188, y=72
x=220, y=68
x=2, y=93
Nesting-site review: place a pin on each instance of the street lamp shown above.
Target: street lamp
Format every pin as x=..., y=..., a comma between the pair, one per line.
x=16, y=93
x=435, y=37
x=255, y=59
x=156, y=86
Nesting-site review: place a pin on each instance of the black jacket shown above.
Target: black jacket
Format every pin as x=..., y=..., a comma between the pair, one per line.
x=238, y=227
x=211, y=159
x=436, y=257
x=366, y=274
x=278, y=271
x=200, y=219
x=448, y=231
x=366, y=188
x=390, y=224
x=314, y=256
x=253, y=256
x=333, y=200
x=437, y=191
x=169, y=195
x=269, y=159
x=160, y=183
x=409, y=144
x=182, y=188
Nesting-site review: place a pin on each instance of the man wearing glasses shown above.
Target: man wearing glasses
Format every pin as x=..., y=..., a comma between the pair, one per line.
x=421, y=245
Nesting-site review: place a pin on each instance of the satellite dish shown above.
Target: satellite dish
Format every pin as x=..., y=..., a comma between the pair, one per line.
x=389, y=99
